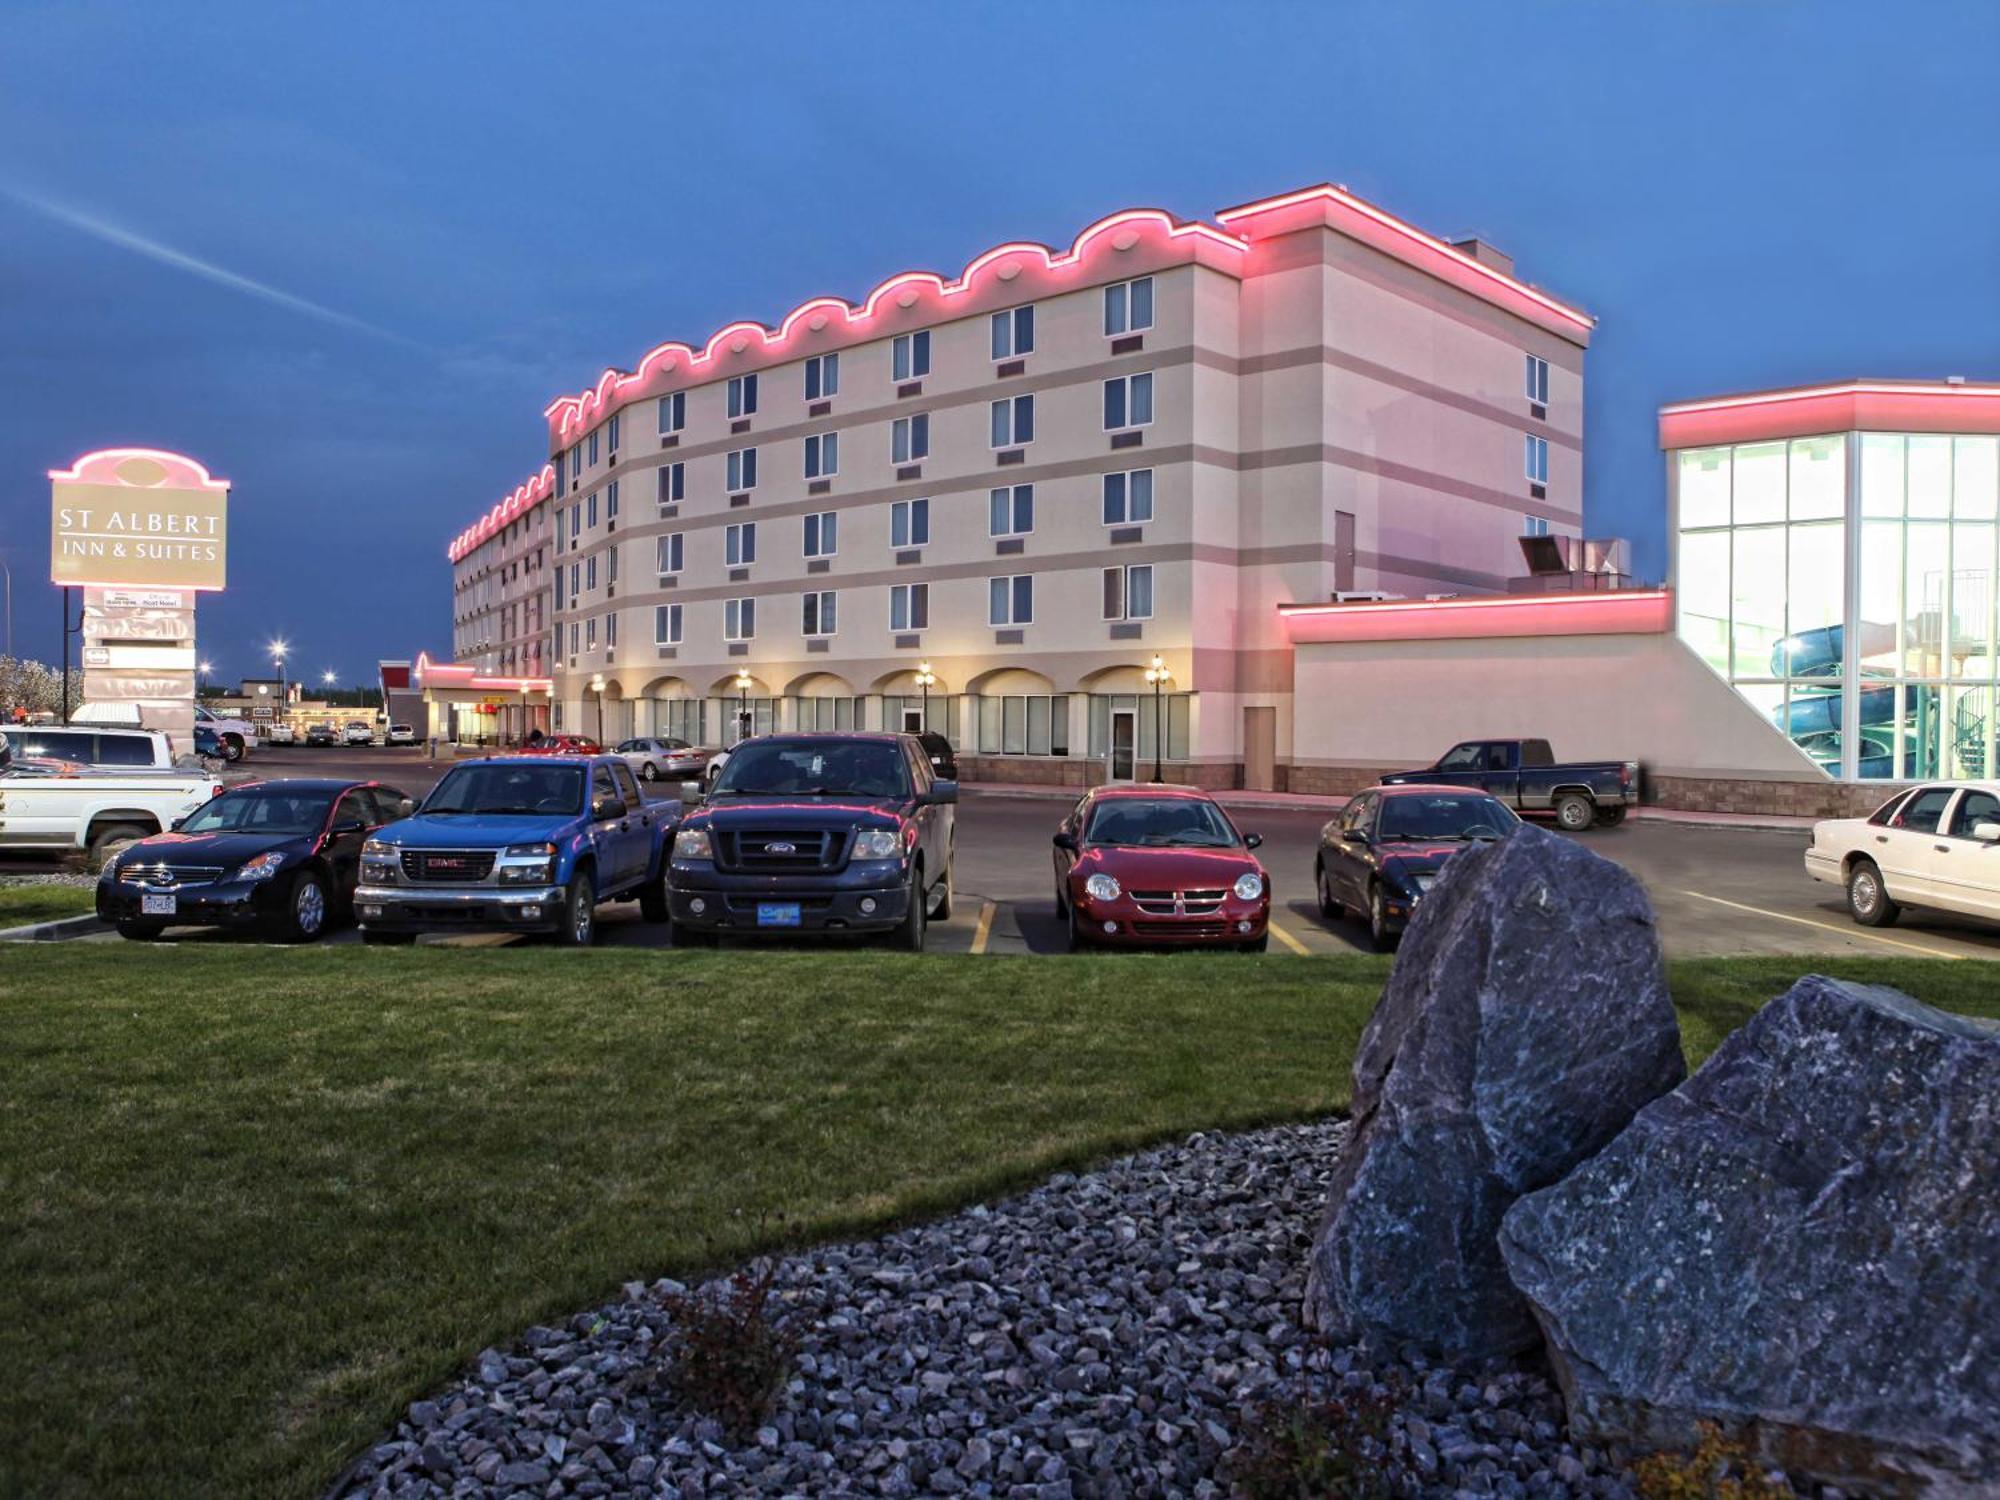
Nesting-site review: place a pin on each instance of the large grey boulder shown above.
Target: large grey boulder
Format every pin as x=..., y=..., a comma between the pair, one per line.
x=1525, y=1023
x=1802, y=1244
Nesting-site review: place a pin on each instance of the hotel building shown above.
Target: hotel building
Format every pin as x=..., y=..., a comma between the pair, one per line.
x=995, y=500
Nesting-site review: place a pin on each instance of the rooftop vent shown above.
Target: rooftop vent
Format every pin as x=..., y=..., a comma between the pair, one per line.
x=1485, y=254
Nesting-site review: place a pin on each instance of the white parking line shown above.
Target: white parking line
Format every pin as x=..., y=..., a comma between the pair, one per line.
x=1857, y=931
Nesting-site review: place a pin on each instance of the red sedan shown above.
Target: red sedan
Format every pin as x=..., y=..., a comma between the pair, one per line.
x=563, y=744
x=1147, y=865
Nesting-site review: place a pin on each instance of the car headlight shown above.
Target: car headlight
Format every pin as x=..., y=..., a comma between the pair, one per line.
x=527, y=864
x=693, y=843
x=877, y=843
x=377, y=849
x=263, y=867
x=1102, y=887
x=1249, y=887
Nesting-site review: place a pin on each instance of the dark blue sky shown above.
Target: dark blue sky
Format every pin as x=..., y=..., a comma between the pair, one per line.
x=444, y=214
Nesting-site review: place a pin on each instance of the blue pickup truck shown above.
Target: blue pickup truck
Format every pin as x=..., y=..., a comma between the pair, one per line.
x=518, y=844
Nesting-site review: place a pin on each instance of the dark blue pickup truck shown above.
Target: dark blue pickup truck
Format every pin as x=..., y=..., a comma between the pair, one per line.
x=820, y=833
x=518, y=844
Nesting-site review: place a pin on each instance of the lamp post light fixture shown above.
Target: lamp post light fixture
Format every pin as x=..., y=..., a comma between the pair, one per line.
x=278, y=651
x=597, y=687
x=202, y=669
x=742, y=703
x=1157, y=674
x=925, y=678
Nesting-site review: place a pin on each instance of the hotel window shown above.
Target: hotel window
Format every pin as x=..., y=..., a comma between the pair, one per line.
x=1014, y=332
x=1010, y=510
x=611, y=434
x=1128, y=592
x=742, y=466
x=1536, y=459
x=822, y=455
x=667, y=625
x=611, y=501
x=739, y=544
x=667, y=553
x=910, y=438
x=575, y=462
x=590, y=634
x=575, y=580
x=1128, y=498
x=739, y=619
x=910, y=523
x=610, y=564
x=575, y=637
x=1534, y=526
x=817, y=617
x=1128, y=401
x=1013, y=422
x=590, y=571
x=910, y=355
x=575, y=521
x=1017, y=725
x=910, y=606
x=593, y=446
x=822, y=534
x=822, y=377
x=742, y=395
x=1011, y=601
x=673, y=483
x=673, y=412
x=1128, y=306
x=593, y=508
x=611, y=632
x=1537, y=380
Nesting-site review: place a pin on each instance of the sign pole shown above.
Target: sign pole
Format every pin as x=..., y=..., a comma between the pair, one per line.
x=65, y=646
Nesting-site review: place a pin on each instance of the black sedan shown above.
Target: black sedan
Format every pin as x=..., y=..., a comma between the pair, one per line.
x=280, y=856
x=1381, y=854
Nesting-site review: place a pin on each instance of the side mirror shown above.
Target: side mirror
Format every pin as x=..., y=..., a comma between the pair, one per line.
x=407, y=807
x=349, y=825
x=1986, y=833
x=1253, y=841
x=175, y=826
x=1066, y=841
x=606, y=808
x=690, y=793
x=1354, y=835
x=942, y=794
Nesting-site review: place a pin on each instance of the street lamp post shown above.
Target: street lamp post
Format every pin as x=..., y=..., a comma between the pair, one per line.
x=597, y=687
x=925, y=677
x=278, y=650
x=742, y=703
x=1157, y=674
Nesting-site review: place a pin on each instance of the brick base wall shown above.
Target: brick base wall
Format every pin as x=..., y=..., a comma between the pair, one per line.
x=1803, y=799
x=1042, y=770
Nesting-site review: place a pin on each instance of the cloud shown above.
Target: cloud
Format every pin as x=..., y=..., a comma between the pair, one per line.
x=180, y=260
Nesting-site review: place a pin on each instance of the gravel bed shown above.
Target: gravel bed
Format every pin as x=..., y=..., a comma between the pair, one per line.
x=1101, y=1335
x=51, y=877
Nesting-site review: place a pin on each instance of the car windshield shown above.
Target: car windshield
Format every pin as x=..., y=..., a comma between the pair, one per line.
x=1443, y=815
x=261, y=809
x=815, y=768
x=525, y=787
x=1165, y=822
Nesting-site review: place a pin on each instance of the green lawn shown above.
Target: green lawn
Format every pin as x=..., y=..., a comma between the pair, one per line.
x=252, y=1201
x=21, y=905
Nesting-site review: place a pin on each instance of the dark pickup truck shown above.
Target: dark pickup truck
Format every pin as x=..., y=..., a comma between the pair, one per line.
x=816, y=833
x=1526, y=776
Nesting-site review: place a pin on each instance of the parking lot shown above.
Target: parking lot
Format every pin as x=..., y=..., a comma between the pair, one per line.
x=1717, y=890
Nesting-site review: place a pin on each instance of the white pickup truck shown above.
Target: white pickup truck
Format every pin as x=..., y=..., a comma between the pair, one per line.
x=235, y=735
x=55, y=805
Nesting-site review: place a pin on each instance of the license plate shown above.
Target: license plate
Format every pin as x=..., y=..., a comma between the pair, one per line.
x=160, y=905
x=777, y=913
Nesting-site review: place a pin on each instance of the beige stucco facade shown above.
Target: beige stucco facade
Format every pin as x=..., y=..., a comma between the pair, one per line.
x=1339, y=403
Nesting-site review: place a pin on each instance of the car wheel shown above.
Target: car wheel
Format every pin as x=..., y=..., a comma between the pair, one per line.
x=649, y=772
x=1867, y=898
x=1379, y=935
x=1610, y=817
x=653, y=905
x=305, y=909
x=1575, y=812
x=140, y=932
x=910, y=935
x=112, y=840
x=579, y=928
x=375, y=939
x=941, y=910
x=1079, y=940
x=1328, y=907
x=232, y=748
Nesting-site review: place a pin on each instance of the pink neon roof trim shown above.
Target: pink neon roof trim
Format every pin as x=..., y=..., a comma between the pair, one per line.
x=524, y=497
x=1966, y=407
x=102, y=466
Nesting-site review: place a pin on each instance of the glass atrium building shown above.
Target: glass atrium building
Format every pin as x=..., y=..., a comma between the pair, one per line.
x=1835, y=551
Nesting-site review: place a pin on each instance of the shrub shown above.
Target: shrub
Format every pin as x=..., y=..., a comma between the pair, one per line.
x=731, y=1351
x=1315, y=1443
x=1717, y=1470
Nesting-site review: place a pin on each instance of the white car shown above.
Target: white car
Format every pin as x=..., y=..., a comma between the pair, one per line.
x=400, y=734
x=357, y=733
x=236, y=735
x=50, y=804
x=1936, y=846
x=284, y=734
x=662, y=760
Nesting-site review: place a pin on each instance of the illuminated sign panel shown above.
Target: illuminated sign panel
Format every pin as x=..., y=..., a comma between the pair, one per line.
x=130, y=516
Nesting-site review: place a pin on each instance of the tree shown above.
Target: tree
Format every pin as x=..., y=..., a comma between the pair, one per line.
x=35, y=686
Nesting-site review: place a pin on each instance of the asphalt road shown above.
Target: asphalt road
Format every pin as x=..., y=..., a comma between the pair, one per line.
x=1718, y=890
